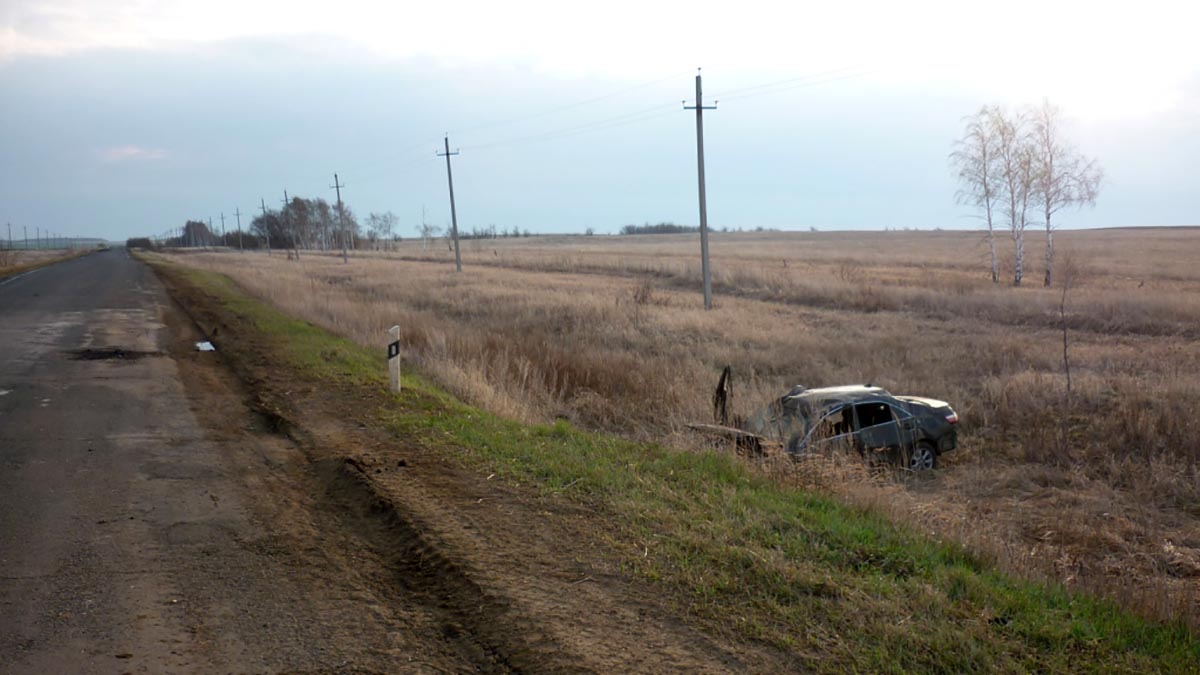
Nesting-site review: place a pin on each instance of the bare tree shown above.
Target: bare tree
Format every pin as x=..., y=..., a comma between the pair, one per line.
x=428, y=232
x=974, y=158
x=1015, y=167
x=383, y=224
x=1063, y=177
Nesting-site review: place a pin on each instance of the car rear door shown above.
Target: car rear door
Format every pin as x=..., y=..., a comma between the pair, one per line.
x=877, y=428
x=832, y=433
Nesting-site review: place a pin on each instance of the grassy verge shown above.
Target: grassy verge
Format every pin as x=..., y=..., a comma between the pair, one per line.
x=843, y=589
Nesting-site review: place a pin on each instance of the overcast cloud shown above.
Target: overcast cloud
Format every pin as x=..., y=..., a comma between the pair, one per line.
x=126, y=118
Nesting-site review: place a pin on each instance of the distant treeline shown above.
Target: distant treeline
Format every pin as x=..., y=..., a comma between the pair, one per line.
x=659, y=228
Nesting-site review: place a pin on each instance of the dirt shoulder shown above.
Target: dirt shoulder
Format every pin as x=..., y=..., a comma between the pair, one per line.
x=519, y=580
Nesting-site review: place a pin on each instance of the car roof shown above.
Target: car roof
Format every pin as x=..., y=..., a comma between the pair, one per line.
x=826, y=396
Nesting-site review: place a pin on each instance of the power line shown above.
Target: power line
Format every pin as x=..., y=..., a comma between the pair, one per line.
x=801, y=85
x=570, y=106
x=370, y=176
x=617, y=120
x=769, y=85
x=646, y=114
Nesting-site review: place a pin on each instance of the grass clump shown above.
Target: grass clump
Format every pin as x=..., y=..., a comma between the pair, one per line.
x=841, y=588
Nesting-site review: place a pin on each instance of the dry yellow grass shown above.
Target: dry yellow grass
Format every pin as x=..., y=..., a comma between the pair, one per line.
x=13, y=260
x=609, y=333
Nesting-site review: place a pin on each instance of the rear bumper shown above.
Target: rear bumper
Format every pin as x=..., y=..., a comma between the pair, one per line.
x=948, y=442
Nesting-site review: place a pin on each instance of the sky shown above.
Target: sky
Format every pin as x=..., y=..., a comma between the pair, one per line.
x=128, y=117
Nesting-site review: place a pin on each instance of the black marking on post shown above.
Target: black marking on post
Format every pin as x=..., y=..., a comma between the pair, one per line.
x=393, y=349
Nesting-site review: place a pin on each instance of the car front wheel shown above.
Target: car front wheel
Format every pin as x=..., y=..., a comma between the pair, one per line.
x=923, y=458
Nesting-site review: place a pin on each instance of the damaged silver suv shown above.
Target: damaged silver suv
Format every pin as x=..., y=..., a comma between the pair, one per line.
x=909, y=431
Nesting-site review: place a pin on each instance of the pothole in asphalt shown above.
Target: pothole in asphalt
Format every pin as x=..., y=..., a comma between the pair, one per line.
x=109, y=354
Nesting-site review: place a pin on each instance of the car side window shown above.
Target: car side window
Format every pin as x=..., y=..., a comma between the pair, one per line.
x=835, y=423
x=873, y=414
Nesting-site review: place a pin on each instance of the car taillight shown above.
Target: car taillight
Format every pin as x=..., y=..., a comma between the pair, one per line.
x=952, y=417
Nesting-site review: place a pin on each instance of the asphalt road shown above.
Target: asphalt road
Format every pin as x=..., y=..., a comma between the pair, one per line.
x=146, y=525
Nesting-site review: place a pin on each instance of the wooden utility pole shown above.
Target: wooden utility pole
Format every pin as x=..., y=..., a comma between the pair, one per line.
x=287, y=225
x=262, y=204
x=453, y=214
x=700, y=108
x=238, y=213
x=341, y=217
x=222, y=228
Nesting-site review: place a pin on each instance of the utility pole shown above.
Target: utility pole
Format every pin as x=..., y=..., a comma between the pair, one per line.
x=700, y=108
x=453, y=213
x=266, y=225
x=341, y=218
x=238, y=212
x=222, y=228
x=287, y=225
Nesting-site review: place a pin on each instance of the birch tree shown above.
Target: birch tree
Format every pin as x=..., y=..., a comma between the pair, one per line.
x=384, y=224
x=1015, y=171
x=428, y=232
x=974, y=158
x=1064, y=178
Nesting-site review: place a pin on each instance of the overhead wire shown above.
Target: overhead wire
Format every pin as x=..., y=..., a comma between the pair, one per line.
x=408, y=159
x=569, y=106
x=803, y=85
x=374, y=175
x=621, y=119
x=737, y=93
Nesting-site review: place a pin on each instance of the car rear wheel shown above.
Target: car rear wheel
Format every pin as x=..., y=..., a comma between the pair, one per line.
x=923, y=457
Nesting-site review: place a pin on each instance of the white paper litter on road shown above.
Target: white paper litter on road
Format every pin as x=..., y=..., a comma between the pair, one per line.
x=205, y=346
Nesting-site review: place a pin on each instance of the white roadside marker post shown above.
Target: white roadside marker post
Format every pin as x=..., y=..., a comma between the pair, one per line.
x=394, y=357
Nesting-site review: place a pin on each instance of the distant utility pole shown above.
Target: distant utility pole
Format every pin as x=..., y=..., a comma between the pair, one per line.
x=341, y=218
x=208, y=235
x=700, y=108
x=222, y=228
x=238, y=212
x=453, y=214
x=287, y=225
x=266, y=225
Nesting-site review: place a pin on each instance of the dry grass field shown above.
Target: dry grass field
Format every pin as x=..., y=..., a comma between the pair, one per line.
x=12, y=260
x=1099, y=489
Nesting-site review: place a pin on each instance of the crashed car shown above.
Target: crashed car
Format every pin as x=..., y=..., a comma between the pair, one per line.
x=909, y=431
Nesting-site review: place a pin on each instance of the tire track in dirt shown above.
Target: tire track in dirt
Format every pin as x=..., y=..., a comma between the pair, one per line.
x=514, y=581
